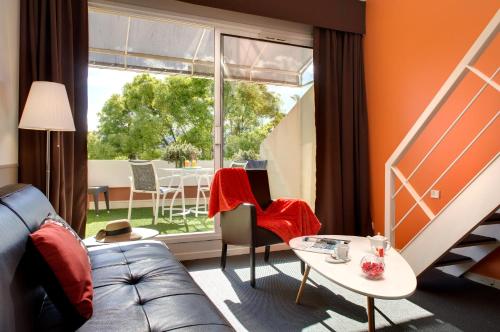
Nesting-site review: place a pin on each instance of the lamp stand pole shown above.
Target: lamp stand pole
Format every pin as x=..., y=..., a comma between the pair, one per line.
x=47, y=167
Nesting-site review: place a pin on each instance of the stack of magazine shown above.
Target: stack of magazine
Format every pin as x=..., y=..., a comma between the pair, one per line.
x=318, y=244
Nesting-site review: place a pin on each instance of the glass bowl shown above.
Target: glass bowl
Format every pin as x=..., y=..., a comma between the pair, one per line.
x=372, y=266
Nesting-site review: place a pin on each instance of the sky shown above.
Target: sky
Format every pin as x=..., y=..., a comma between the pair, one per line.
x=103, y=83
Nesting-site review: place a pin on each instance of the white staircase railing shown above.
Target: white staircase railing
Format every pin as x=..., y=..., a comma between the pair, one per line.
x=392, y=172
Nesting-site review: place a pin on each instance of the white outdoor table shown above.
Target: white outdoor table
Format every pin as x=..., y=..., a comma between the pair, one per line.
x=186, y=173
x=189, y=169
x=398, y=281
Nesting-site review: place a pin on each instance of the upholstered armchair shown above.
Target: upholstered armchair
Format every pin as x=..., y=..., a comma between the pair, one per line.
x=239, y=226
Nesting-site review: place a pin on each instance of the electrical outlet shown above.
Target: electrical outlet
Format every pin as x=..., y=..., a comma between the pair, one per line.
x=435, y=193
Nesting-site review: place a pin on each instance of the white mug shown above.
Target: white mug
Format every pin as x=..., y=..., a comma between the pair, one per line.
x=342, y=251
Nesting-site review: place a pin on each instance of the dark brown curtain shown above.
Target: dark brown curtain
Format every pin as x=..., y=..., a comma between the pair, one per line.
x=342, y=184
x=54, y=47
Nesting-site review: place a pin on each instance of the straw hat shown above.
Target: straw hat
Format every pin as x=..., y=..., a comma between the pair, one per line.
x=118, y=231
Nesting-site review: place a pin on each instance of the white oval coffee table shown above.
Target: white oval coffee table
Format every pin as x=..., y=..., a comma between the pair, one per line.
x=398, y=281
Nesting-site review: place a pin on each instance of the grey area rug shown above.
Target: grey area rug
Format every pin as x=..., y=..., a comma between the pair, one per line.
x=441, y=303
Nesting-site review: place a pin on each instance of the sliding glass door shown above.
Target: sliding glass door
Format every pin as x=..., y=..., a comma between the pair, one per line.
x=193, y=97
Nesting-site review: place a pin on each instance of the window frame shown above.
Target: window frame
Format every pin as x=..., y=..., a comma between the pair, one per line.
x=278, y=33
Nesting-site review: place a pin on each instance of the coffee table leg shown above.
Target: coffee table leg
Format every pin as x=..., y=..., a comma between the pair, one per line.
x=302, y=284
x=371, y=313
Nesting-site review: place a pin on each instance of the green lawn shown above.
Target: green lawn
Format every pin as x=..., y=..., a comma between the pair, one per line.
x=143, y=217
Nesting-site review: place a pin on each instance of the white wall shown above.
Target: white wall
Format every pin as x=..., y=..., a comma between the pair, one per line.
x=291, y=153
x=308, y=144
x=9, y=68
x=283, y=152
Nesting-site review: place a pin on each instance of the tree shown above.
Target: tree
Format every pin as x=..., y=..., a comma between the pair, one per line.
x=98, y=149
x=250, y=113
x=151, y=113
x=188, y=112
x=130, y=126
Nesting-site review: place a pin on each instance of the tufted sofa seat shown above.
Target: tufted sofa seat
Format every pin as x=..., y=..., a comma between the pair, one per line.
x=138, y=286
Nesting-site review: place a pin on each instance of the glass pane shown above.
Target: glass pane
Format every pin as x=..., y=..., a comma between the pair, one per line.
x=150, y=44
x=107, y=31
x=203, y=69
x=285, y=57
x=269, y=114
x=163, y=38
x=159, y=106
x=241, y=52
x=106, y=60
x=308, y=74
x=206, y=48
x=265, y=62
x=277, y=77
x=158, y=65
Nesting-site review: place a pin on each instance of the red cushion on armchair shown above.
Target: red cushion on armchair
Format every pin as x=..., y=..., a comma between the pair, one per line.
x=65, y=271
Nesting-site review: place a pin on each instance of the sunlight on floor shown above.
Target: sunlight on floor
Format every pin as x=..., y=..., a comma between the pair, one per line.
x=261, y=271
x=229, y=292
x=326, y=306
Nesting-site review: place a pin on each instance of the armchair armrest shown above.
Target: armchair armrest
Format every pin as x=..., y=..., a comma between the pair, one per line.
x=238, y=226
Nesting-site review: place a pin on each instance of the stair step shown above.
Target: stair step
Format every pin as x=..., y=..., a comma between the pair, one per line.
x=493, y=219
x=451, y=259
x=474, y=239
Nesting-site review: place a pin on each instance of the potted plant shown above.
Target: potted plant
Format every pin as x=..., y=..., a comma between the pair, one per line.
x=245, y=155
x=178, y=152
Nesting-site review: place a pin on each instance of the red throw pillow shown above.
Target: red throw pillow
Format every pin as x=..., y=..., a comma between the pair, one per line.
x=65, y=272
x=56, y=219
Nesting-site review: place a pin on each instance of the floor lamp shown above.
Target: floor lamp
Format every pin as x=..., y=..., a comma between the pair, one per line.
x=47, y=108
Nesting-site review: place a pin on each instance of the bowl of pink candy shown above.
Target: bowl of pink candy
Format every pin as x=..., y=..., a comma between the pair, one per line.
x=372, y=266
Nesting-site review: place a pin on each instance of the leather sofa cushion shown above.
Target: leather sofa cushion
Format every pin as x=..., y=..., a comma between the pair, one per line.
x=140, y=286
x=31, y=206
x=20, y=295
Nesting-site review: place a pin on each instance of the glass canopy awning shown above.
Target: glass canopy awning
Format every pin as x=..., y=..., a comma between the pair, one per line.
x=122, y=41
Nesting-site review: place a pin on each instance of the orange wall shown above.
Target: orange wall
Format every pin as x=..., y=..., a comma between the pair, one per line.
x=490, y=266
x=411, y=47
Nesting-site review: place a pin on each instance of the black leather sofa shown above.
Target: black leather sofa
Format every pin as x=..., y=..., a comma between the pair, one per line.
x=138, y=286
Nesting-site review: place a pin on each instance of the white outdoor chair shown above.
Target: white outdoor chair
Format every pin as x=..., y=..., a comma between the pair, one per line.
x=175, y=185
x=145, y=180
x=204, y=180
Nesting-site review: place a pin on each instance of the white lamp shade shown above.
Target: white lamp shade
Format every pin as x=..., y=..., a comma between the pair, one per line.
x=47, y=108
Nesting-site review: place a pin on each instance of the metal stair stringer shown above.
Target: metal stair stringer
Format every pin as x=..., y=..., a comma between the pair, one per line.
x=456, y=220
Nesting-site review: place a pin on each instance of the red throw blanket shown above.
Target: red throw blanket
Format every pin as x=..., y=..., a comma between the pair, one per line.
x=288, y=218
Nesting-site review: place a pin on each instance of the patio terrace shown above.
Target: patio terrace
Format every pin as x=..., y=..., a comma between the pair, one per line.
x=143, y=217
x=288, y=149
